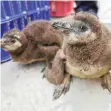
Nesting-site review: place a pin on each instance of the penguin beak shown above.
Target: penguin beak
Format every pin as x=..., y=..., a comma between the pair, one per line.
x=3, y=42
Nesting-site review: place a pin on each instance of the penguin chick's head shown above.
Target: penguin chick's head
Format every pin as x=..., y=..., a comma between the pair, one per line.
x=84, y=29
x=12, y=40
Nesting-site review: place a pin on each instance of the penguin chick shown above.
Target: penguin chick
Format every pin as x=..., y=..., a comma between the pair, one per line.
x=88, y=52
x=37, y=41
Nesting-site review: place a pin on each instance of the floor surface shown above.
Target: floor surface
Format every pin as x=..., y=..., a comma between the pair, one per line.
x=23, y=89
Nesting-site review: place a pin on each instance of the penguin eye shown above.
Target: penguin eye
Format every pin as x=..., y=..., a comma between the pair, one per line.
x=83, y=28
x=12, y=41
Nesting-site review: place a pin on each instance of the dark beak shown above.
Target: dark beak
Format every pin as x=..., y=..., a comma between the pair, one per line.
x=3, y=42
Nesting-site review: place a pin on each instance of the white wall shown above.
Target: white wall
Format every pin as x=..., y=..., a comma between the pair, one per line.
x=105, y=10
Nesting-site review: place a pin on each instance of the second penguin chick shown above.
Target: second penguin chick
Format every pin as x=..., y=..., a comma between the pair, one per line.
x=36, y=42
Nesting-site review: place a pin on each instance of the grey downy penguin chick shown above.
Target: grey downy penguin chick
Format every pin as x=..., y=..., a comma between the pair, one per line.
x=36, y=42
x=87, y=48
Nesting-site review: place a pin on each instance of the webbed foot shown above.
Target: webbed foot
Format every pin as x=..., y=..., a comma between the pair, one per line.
x=62, y=88
x=106, y=82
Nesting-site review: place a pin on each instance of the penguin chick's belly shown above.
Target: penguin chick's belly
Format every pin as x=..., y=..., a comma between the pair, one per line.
x=90, y=72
